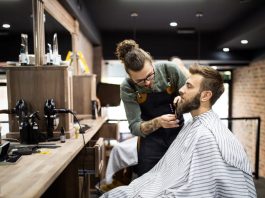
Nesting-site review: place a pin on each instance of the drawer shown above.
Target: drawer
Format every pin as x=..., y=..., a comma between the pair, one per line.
x=92, y=158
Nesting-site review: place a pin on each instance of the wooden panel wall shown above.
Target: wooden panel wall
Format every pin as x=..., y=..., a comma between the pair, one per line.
x=37, y=84
x=84, y=90
x=55, y=9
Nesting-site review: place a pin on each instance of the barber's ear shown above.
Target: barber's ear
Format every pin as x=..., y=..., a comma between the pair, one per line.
x=206, y=96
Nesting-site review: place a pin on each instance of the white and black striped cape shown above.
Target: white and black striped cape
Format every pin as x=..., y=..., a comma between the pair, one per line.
x=205, y=160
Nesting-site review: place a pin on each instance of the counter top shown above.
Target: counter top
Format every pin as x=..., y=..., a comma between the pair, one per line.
x=33, y=174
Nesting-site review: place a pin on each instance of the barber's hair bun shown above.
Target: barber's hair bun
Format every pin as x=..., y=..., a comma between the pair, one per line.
x=124, y=47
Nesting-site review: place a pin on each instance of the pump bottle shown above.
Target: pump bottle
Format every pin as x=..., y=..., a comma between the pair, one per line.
x=62, y=135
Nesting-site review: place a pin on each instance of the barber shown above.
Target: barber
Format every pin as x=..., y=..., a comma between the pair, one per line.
x=148, y=96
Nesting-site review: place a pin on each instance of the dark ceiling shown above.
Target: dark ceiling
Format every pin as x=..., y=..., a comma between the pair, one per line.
x=224, y=24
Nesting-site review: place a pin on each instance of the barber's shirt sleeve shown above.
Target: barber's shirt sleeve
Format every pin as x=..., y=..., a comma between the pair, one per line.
x=132, y=109
x=178, y=78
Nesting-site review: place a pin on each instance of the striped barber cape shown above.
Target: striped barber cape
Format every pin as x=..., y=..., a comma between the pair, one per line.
x=205, y=160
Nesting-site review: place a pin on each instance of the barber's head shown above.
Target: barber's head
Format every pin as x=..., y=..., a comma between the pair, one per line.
x=137, y=62
x=202, y=89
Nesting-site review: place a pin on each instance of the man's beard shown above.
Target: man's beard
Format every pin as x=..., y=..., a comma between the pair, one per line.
x=190, y=105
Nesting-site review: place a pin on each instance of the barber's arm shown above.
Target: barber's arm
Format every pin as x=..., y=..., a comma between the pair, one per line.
x=177, y=76
x=132, y=109
x=137, y=126
x=164, y=121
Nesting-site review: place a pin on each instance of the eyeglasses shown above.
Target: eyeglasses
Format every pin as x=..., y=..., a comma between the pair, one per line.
x=149, y=77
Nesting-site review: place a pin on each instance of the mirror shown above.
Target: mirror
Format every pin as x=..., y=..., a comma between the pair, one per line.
x=52, y=26
x=17, y=13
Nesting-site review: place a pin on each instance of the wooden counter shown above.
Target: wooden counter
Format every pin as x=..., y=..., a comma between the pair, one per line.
x=32, y=175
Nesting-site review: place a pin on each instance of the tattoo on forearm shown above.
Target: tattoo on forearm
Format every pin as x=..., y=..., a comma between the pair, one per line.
x=150, y=126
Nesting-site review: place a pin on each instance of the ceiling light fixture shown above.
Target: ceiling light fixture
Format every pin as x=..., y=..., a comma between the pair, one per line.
x=244, y=1
x=134, y=14
x=199, y=14
x=244, y=41
x=6, y=26
x=173, y=24
x=226, y=49
x=186, y=31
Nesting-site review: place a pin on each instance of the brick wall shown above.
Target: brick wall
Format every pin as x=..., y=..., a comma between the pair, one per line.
x=249, y=101
x=245, y=131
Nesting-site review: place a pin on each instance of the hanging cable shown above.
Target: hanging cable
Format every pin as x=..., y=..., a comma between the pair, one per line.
x=134, y=16
x=199, y=15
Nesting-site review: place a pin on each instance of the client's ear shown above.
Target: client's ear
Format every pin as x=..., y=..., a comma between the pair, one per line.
x=206, y=96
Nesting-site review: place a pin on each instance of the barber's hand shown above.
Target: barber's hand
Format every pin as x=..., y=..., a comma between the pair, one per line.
x=168, y=121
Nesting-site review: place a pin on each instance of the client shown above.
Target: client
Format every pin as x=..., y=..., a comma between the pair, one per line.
x=205, y=159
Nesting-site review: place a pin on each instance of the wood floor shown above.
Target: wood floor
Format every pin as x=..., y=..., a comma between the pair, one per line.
x=260, y=187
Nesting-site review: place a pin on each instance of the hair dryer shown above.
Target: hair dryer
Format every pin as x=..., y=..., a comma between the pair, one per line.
x=20, y=109
x=51, y=116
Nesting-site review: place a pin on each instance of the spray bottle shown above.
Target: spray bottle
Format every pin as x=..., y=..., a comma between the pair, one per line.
x=23, y=58
x=62, y=135
x=49, y=55
x=55, y=55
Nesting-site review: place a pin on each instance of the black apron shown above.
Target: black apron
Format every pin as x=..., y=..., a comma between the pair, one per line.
x=154, y=146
